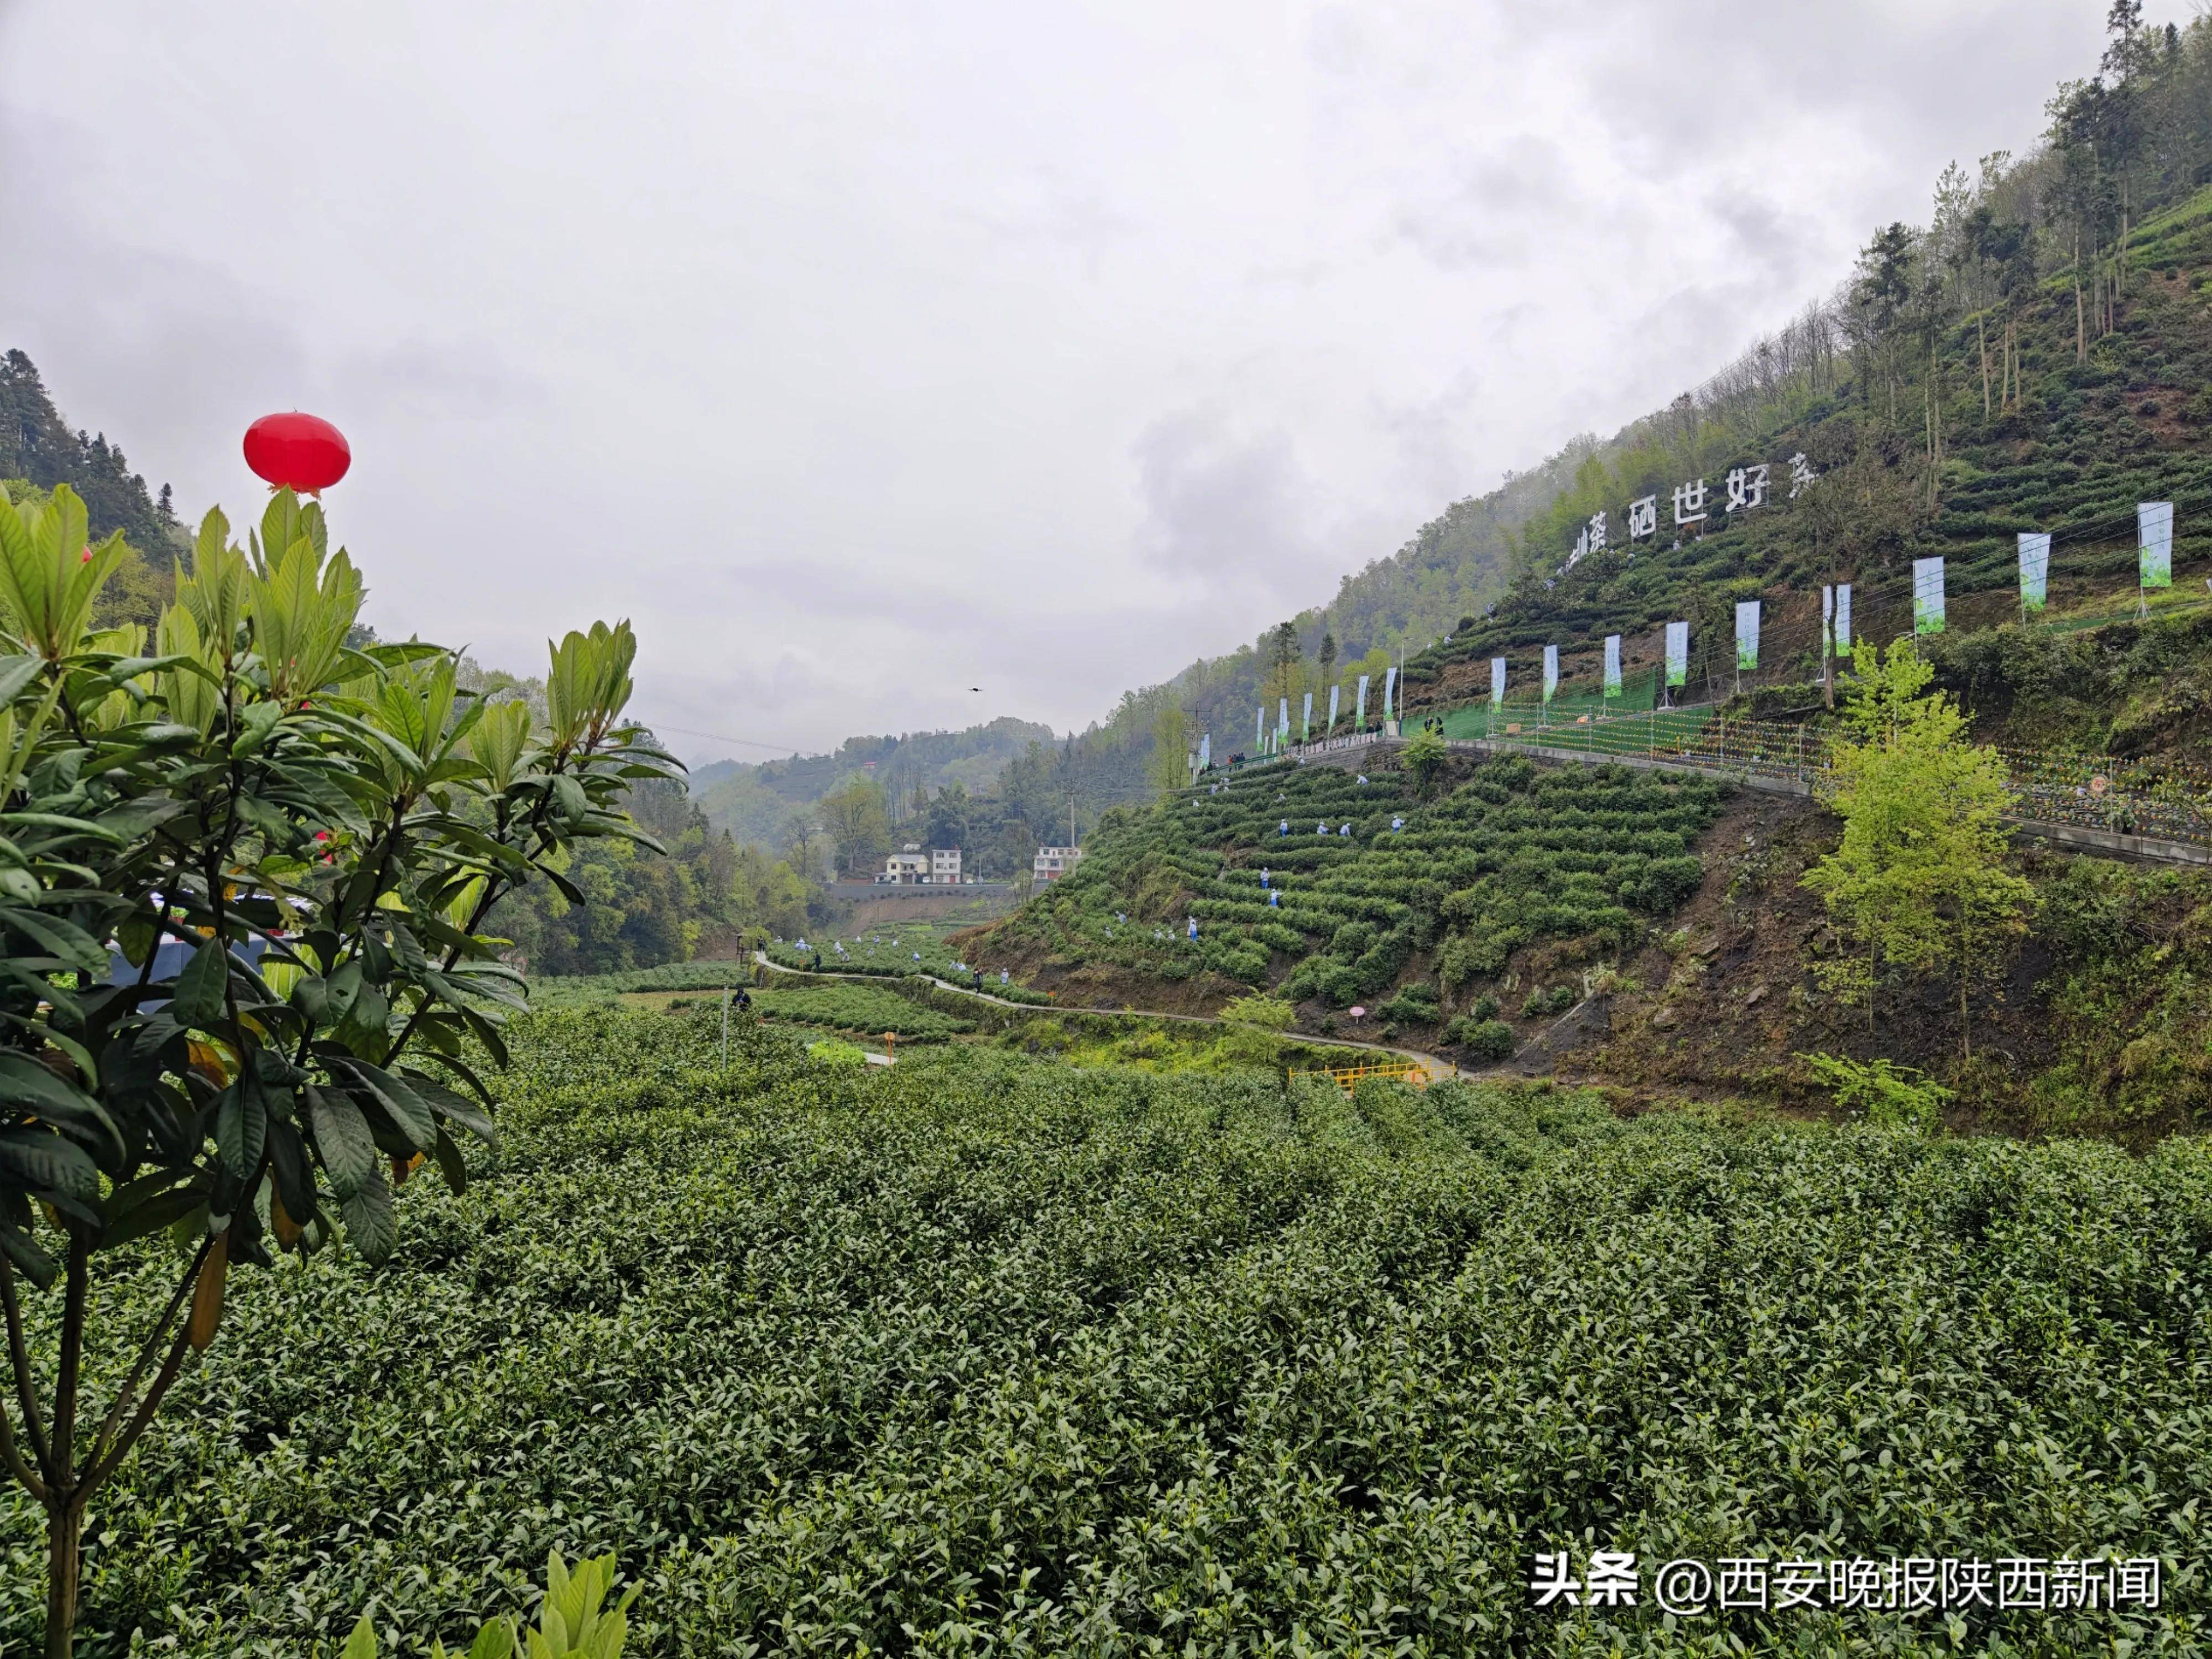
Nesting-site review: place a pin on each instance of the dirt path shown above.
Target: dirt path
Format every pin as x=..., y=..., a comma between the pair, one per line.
x=1434, y=1068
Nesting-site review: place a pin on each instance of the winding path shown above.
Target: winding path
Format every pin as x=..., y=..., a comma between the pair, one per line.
x=1434, y=1068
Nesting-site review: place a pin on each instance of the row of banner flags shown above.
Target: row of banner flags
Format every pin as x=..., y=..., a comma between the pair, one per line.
x=1266, y=742
x=2154, y=567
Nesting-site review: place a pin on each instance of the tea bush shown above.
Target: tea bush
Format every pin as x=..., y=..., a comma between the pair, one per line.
x=983, y=1354
x=552, y=990
x=1516, y=854
x=866, y=1009
x=896, y=952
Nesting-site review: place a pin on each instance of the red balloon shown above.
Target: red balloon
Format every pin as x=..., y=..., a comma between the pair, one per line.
x=303, y=451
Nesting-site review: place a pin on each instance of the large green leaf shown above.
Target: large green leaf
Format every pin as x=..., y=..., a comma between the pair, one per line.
x=48, y=1165
x=151, y=1214
x=17, y=1245
x=369, y=1221
x=410, y=1113
x=342, y=1141
x=287, y=1166
x=31, y=1087
x=454, y=1107
x=199, y=989
x=64, y=938
x=16, y=673
x=241, y=1127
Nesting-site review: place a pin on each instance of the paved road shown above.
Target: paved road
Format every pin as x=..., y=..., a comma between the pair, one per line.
x=1434, y=1067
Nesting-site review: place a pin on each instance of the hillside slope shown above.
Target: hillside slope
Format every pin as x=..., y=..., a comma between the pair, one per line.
x=1332, y=886
x=2085, y=440
x=39, y=447
x=756, y=801
x=1632, y=929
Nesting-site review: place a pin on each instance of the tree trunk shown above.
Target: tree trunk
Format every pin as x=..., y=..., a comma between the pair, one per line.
x=65, y=1556
x=1982, y=338
x=2080, y=322
x=1966, y=960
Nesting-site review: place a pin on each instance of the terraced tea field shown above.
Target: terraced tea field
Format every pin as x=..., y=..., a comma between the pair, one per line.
x=982, y=1354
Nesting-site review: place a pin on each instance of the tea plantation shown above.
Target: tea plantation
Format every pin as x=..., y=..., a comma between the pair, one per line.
x=984, y=1355
x=1334, y=882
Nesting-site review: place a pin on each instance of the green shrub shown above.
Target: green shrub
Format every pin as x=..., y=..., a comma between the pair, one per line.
x=1487, y=1039
x=573, y=1621
x=869, y=1009
x=1888, y=1094
x=1415, y=1004
x=1542, y=1002
x=1268, y=1013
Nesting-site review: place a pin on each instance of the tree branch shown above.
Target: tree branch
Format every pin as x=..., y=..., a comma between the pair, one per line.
x=531, y=827
x=122, y=1398
x=61, y=1456
x=20, y=1359
x=13, y=1460
x=95, y=1475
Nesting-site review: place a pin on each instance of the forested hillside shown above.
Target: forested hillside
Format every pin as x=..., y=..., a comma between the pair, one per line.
x=2032, y=359
x=39, y=447
x=847, y=809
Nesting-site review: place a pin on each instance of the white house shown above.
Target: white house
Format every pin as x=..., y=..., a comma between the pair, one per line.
x=911, y=866
x=1051, y=863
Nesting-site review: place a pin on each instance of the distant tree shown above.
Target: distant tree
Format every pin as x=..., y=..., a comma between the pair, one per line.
x=1283, y=657
x=856, y=823
x=1170, y=764
x=948, y=818
x=1918, y=880
x=802, y=837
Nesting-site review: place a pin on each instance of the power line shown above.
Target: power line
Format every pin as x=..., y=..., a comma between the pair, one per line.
x=791, y=749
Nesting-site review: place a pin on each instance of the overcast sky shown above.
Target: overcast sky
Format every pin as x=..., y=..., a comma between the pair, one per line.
x=861, y=354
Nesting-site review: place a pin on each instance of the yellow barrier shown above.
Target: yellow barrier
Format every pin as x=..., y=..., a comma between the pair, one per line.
x=1349, y=1077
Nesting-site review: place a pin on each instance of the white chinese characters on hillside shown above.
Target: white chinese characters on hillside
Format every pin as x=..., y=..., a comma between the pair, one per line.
x=1746, y=487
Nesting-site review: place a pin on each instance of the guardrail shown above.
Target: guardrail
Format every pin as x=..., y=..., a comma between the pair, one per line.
x=1349, y=1077
x=2116, y=794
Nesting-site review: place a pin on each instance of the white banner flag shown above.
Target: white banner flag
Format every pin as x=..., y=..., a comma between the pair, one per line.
x=2154, y=531
x=1389, y=685
x=1746, y=633
x=1333, y=690
x=1260, y=728
x=1842, y=619
x=1497, y=681
x=2034, y=569
x=1282, y=718
x=1206, y=751
x=1928, y=596
x=1359, y=715
x=1305, y=721
x=1613, y=664
x=1551, y=671
x=1678, y=653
